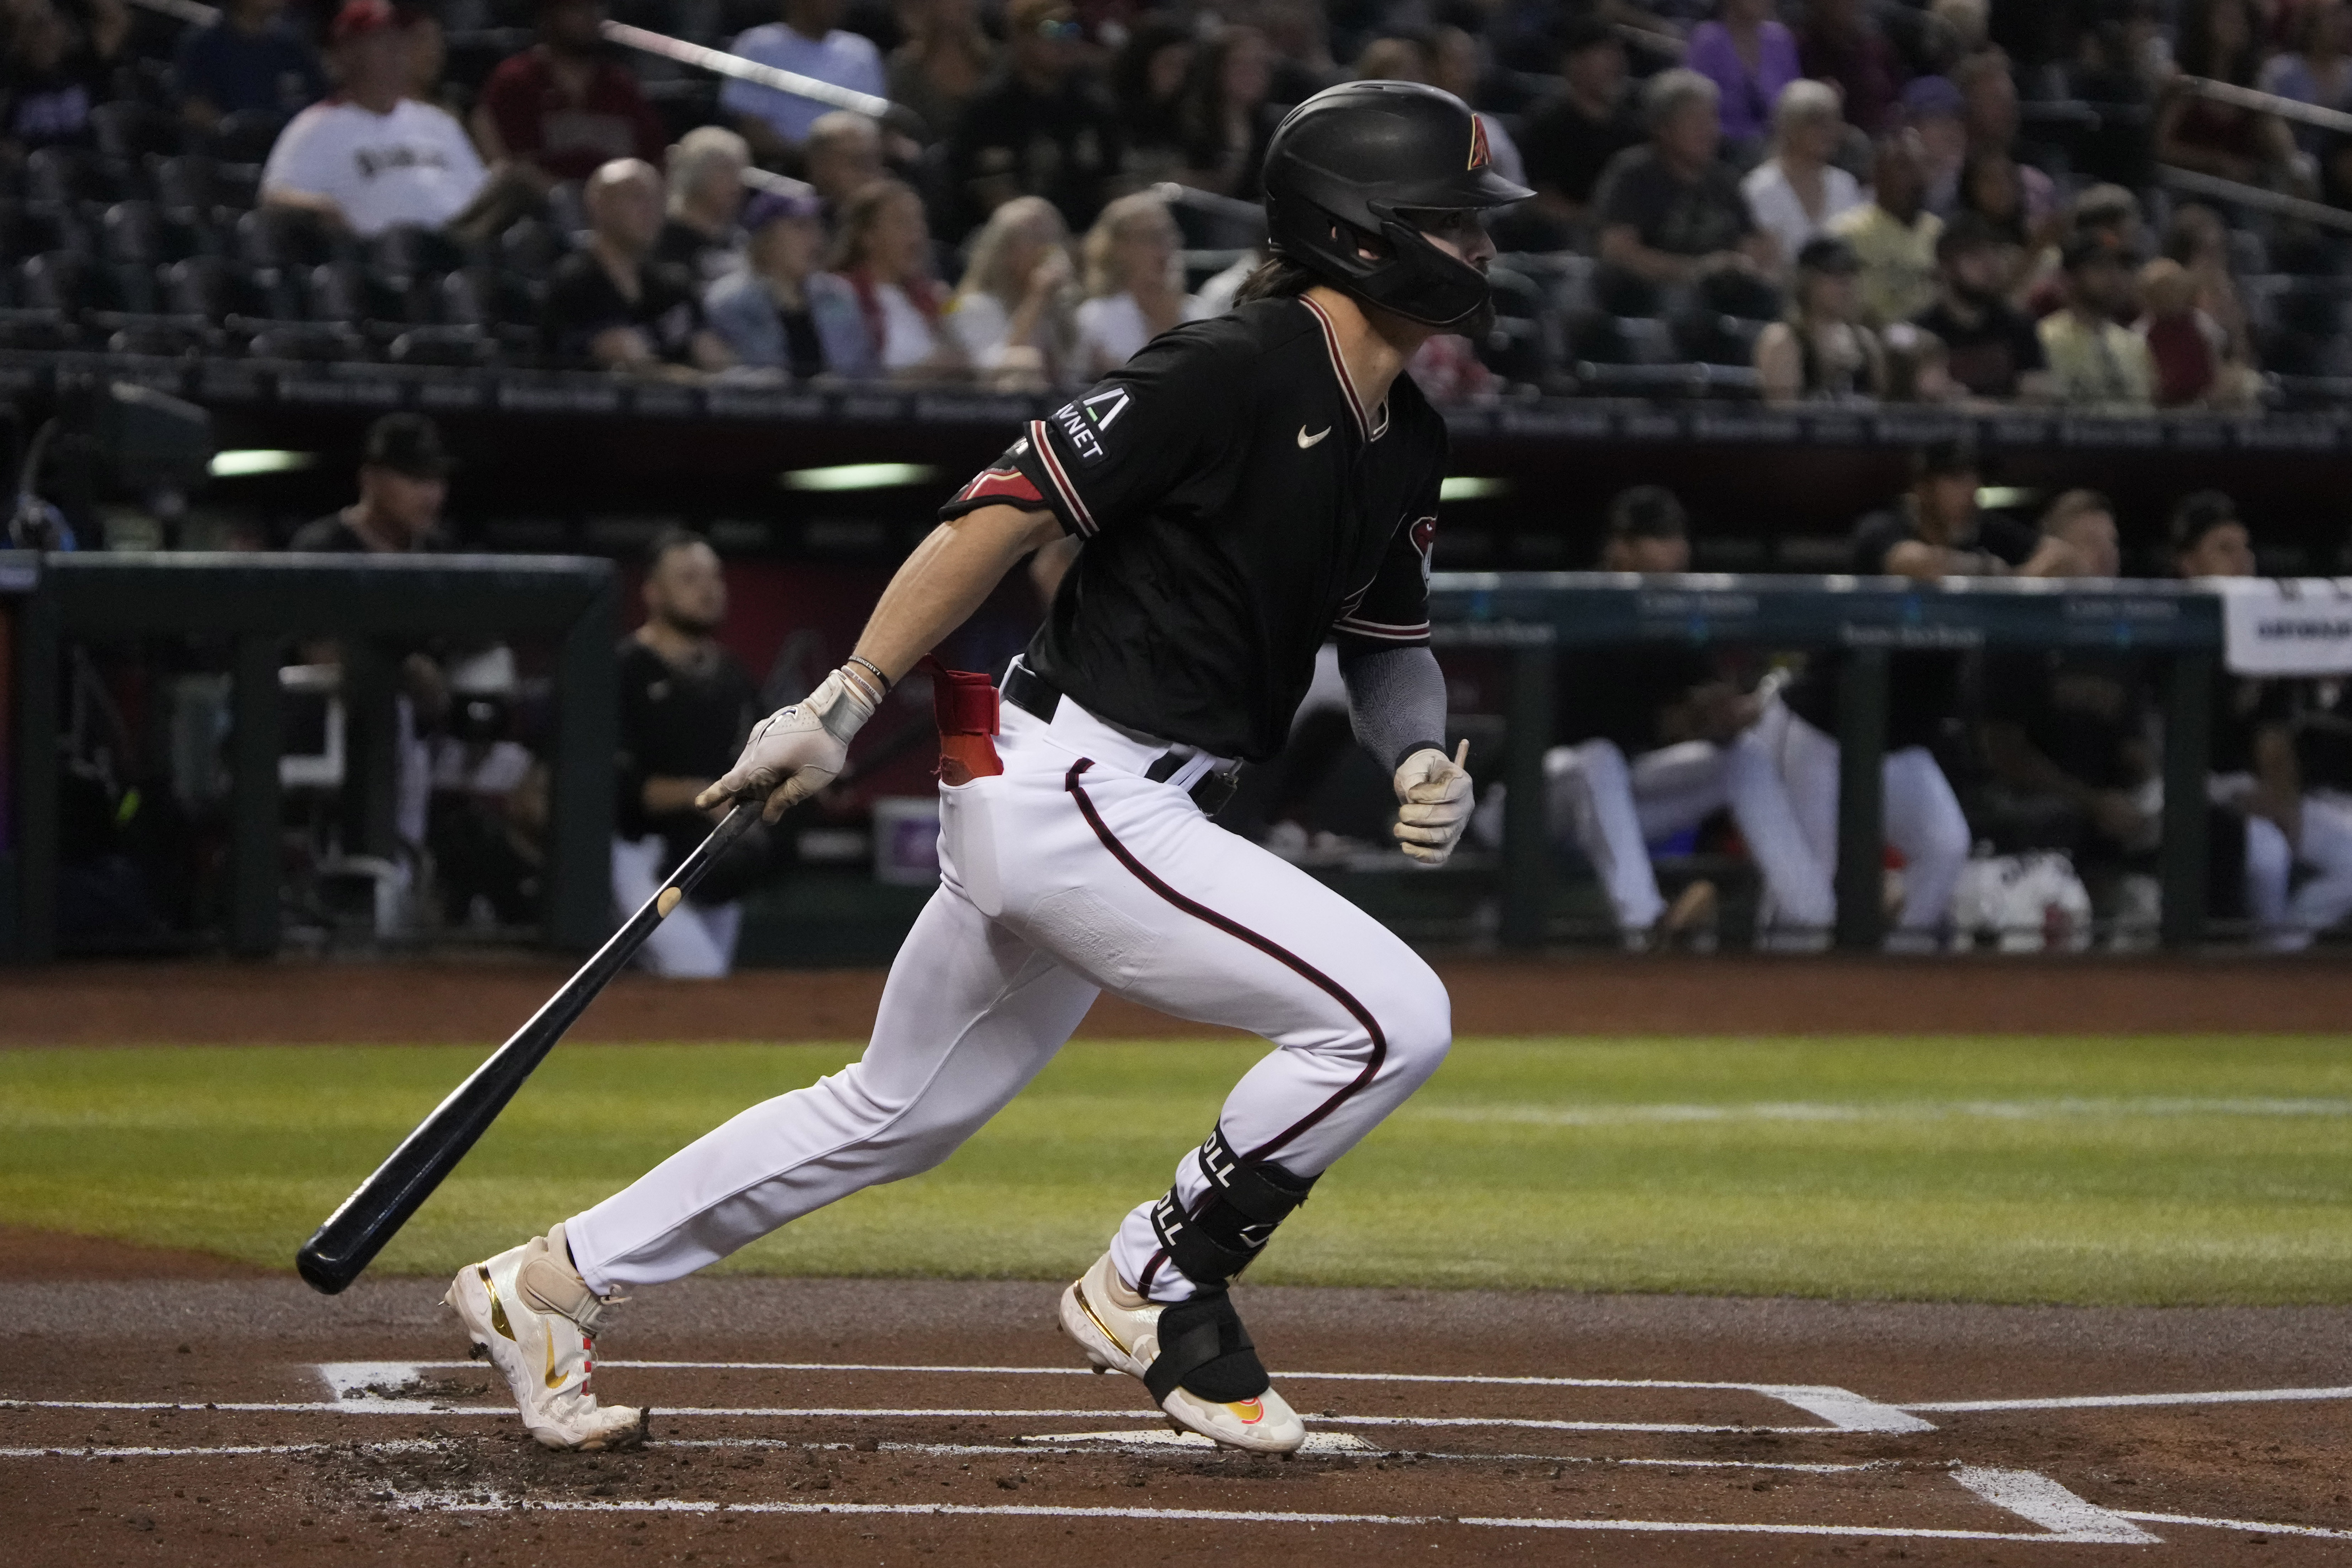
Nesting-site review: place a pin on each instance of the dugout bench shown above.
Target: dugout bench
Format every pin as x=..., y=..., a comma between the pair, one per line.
x=260, y=602
x=1532, y=615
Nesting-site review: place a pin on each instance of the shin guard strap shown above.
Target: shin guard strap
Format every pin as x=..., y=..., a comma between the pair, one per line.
x=1231, y=1222
x=1205, y=1350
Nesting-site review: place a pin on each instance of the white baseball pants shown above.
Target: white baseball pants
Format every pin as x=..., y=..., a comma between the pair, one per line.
x=1067, y=874
x=2286, y=921
x=1616, y=809
x=1923, y=817
x=696, y=942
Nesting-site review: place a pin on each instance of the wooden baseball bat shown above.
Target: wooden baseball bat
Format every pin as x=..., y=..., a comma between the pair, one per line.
x=372, y=1216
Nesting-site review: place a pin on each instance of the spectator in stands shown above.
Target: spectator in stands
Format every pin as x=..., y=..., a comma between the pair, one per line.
x=883, y=248
x=1456, y=64
x=565, y=106
x=1670, y=212
x=2317, y=71
x=2188, y=348
x=403, y=483
x=779, y=311
x=1042, y=128
x=686, y=706
x=1223, y=117
x=1894, y=235
x=1991, y=349
x=1135, y=284
x=1298, y=32
x=1751, y=58
x=57, y=70
x=945, y=59
x=809, y=41
x=1797, y=192
x=2219, y=41
x=1989, y=112
x=2093, y=362
x=249, y=62
x=2256, y=771
x=2111, y=215
x=1572, y=136
x=1147, y=82
x=2198, y=239
x=1013, y=317
x=1992, y=194
x=1842, y=44
x=371, y=157
x=1934, y=531
x=610, y=304
x=842, y=156
x=1932, y=107
x=706, y=194
x=1821, y=352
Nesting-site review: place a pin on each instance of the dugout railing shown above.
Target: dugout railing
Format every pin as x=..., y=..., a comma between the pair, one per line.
x=1532, y=616
x=263, y=604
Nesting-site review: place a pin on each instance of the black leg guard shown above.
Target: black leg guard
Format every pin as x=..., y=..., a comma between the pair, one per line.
x=1203, y=1349
x=1229, y=1225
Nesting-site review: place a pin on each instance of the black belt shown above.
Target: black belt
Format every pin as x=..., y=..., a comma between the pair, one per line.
x=1041, y=699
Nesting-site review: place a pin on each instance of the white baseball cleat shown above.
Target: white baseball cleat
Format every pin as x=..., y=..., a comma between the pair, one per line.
x=1121, y=1331
x=530, y=1309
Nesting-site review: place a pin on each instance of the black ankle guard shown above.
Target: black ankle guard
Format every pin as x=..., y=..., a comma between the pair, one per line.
x=1204, y=1351
x=1232, y=1221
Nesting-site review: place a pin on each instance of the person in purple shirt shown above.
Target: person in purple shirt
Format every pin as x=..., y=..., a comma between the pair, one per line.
x=1749, y=57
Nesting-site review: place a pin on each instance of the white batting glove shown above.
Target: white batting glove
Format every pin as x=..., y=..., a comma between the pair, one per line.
x=1433, y=791
x=797, y=750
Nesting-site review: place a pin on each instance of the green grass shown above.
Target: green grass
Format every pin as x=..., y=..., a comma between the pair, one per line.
x=2161, y=1171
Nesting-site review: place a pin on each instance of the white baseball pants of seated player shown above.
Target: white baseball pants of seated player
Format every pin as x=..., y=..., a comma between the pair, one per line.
x=1067, y=874
x=696, y=942
x=1924, y=819
x=2285, y=917
x=1616, y=809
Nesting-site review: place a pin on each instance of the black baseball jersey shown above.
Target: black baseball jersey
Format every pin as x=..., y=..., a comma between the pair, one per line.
x=1240, y=505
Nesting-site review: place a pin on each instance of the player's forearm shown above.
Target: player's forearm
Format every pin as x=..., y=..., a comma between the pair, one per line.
x=946, y=579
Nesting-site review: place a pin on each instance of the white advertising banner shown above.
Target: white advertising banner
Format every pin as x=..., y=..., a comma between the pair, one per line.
x=2286, y=625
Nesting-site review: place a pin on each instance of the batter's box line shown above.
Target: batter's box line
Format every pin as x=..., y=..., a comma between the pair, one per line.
x=2064, y=1518
x=1841, y=1408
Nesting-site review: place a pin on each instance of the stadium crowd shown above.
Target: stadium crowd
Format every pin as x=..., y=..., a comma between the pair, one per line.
x=1943, y=202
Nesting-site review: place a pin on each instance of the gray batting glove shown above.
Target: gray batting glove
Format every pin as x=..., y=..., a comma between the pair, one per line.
x=1434, y=792
x=797, y=750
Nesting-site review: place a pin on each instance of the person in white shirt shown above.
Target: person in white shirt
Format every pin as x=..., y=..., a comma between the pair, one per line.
x=1797, y=191
x=809, y=41
x=1012, y=316
x=1135, y=283
x=884, y=251
x=371, y=158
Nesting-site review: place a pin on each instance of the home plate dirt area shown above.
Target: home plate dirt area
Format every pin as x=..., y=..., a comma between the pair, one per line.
x=248, y=1421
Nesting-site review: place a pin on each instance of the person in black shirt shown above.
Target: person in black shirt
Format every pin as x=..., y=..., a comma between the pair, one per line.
x=610, y=304
x=2297, y=851
x=1934, y=531
x=1245, y=487
x=685, y=706
x=706, y=196
x=1991, y=347
x=1671, y=213
x=1572, y=136
x=404, y=482
x=1042, y=128
x=1654, y=741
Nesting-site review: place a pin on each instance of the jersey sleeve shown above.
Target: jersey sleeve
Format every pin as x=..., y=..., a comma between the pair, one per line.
x=1116, y=451
x=1393, y=610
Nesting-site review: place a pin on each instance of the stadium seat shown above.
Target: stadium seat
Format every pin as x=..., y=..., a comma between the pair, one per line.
x=531, y=247
x=128, y=133
x=314, y=341
x=463, y=347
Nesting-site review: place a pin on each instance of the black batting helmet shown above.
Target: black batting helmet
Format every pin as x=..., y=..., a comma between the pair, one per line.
x=1345, y=163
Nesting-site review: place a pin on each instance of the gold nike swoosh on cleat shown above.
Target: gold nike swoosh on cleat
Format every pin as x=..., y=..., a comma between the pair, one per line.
x=1087, y=1307
x=1305, y=441
x=552, y=1381
x=497, y=1308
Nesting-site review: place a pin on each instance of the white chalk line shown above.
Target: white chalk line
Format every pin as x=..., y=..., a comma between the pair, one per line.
x=2253, y=1525
x=2061, y=1108
x=2120, y=1401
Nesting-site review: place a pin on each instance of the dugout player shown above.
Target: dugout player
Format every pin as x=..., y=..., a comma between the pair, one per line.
x=1654, y=741
x=1933, y=531
x=1246, y=488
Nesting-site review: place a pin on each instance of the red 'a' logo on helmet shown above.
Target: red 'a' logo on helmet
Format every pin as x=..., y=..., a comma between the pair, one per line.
x=1479, y=159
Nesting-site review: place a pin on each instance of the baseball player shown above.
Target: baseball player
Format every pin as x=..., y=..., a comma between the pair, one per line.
x=1246, y=488
x=1932, y=532
x=1655, y=742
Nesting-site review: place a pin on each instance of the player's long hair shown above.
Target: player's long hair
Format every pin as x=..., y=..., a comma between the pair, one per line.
x=1277, y=277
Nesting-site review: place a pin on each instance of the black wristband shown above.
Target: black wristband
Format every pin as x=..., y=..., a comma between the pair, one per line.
x=1437, y=747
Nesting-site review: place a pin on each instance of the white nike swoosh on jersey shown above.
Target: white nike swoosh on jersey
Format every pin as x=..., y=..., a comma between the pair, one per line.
x=1305, y=441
